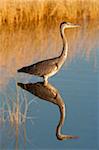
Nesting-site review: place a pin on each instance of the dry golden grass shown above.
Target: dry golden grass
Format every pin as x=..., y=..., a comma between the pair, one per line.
x=25, y=13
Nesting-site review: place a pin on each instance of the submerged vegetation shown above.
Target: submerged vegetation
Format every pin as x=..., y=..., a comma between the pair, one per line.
x=30, y=12
x=14, y=115
x=14, y=111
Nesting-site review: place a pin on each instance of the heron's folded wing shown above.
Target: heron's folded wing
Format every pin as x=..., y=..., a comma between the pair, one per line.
x=44, y=69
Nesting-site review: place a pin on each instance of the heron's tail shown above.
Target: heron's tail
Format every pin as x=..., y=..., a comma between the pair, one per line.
x=24, y=69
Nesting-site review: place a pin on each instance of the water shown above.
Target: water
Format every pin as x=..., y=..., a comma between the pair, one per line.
x=28, y=122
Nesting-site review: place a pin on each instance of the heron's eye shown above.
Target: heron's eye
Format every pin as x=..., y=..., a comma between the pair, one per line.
x=68, y=23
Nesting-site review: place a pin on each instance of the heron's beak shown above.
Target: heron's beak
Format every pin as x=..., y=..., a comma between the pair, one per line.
x=74, y=25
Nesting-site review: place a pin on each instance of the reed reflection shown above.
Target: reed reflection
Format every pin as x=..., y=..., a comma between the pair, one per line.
x=14, y=115
x=49, y=93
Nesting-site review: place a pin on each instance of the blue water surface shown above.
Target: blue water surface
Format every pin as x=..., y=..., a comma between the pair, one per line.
x=78, y=85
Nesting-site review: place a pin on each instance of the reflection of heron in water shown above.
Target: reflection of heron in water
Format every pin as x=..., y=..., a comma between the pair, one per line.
x=48, y=68
x=51, y=94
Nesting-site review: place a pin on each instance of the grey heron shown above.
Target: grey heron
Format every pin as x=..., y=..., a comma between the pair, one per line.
x=49, y=67
x=50, y=94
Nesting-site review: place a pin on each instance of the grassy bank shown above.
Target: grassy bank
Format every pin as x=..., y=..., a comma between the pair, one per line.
x=30, y=12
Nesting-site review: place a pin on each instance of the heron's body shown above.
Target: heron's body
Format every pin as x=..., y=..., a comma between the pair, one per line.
x=48, y=68
x=35, y=69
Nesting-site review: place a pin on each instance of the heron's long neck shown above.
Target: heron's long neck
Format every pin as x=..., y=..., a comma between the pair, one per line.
x=65, y=44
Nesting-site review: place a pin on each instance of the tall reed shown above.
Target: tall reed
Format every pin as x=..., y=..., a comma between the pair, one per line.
x=30, y=12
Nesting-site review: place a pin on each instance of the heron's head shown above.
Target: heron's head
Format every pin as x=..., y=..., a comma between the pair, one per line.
x=64, y=25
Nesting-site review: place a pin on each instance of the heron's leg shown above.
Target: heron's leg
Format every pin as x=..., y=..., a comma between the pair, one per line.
x=45, y=80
